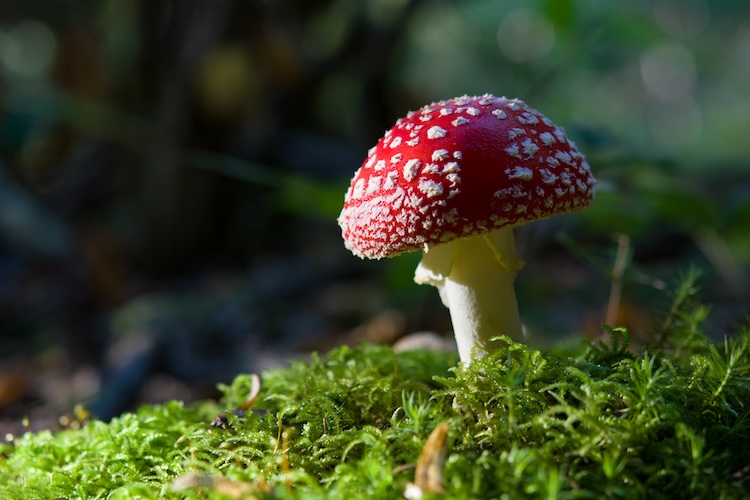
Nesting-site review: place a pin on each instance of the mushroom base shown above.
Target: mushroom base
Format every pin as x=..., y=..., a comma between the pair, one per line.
x=474, y=276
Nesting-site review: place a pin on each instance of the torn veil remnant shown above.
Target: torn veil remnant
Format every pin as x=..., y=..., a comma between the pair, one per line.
x=453, y=179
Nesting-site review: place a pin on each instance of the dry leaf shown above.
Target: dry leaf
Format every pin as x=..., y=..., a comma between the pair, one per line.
x=428, y=477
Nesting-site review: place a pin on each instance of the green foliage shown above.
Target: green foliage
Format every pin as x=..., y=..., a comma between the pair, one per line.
x=598, y=422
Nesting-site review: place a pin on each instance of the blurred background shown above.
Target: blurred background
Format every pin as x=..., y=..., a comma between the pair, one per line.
x=171, y=172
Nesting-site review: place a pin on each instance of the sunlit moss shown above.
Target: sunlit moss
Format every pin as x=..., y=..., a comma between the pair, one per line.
x=597, y=422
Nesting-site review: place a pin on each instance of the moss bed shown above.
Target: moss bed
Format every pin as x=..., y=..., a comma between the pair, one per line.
x=594, y=421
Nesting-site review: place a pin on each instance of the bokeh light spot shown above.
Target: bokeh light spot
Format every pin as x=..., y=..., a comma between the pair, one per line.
x=525, y=36
x=668, y=71
x=28, y=49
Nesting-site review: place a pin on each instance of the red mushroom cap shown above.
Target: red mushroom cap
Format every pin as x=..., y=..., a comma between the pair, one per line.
x=458, y=168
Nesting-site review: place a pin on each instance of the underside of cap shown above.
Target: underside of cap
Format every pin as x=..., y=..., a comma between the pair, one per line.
x=461, y=167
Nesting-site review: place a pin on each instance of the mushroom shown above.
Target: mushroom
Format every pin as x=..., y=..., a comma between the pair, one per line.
x=453, y=179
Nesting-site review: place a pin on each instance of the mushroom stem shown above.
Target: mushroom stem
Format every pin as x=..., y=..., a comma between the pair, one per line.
x=474, y=276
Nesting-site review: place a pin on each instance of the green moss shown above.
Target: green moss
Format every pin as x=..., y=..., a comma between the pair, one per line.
x=598, y=421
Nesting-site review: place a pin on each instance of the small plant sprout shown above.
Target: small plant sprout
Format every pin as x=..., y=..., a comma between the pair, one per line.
x=453, y=179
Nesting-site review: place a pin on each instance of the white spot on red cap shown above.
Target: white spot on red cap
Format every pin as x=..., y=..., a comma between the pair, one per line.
x=529, y=148
x=514, y=192
x=430, y=188
x=564, y=157
x=397, y=158
x=436, y=132
x=411, y=168
x=390, y=179
x=500, y=114
x=515, y=132
x=522, y=173
x=513, y=151
x=560, y=134
x=440, y=155
x=547, y=138
x=547, y=176
x=461, y=120
x=431, y=168
x=527, y=119
x=359, y=188
x=451, y=167
x=396, y=142
x=374, y=184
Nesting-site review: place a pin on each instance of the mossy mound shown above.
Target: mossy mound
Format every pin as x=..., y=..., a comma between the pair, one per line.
x=593, y=422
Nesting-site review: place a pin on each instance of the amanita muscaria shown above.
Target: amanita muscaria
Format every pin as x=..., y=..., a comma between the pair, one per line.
x=452, y=179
